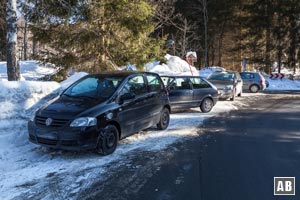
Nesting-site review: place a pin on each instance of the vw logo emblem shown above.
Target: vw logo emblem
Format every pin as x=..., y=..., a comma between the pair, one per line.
x=48, y=122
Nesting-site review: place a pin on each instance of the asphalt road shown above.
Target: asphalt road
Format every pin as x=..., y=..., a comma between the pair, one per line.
x=235, y=157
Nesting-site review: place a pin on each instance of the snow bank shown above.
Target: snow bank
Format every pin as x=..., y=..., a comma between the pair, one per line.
x=30, y=70
x=175, y=66
x=283, y=84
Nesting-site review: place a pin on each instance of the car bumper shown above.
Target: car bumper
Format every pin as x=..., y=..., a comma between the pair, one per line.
x=225, y=94
x=67, y=138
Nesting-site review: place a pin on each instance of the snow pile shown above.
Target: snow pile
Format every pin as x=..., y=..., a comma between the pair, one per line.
x=175, y=66
x=18, y=102
x=283, y=84
x=30, y=70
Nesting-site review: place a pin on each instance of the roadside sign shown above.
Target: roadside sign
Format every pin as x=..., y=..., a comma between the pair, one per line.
x=276, y=75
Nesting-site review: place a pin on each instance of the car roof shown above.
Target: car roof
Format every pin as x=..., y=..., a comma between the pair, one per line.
x=119, y=73
x=224, y=72
x=183, y=76
x=251, y=72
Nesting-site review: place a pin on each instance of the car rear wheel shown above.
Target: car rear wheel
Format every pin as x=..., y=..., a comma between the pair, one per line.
x=108, y=140
x=164, y=119
x=206, y=105
x=254, y=88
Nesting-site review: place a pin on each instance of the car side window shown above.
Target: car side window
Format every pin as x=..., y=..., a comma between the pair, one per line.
x=199, y=83
x=135, y=86
x=154, y=84
x=247, y=75
x=182, y=83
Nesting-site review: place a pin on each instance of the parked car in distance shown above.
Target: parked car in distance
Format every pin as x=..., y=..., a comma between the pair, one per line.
x=99, y=109
x=229, y=84
x=253, y=81
x=191, y=91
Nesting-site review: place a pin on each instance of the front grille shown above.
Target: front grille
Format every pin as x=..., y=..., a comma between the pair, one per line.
x=55, y=142
x=69, y=143
x=46, y=141
x=55, y=122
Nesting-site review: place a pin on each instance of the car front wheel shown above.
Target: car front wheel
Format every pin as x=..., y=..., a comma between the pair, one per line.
x=206, y=105
x=164, y=119
x=108, y=140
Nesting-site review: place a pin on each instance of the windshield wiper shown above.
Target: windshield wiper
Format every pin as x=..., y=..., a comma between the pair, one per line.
x=68, y=95
x=85, y=97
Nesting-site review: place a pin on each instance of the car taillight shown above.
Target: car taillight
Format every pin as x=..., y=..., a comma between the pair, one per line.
x=262, y=80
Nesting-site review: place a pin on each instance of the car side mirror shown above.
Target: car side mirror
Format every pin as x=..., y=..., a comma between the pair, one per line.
x=126, y=96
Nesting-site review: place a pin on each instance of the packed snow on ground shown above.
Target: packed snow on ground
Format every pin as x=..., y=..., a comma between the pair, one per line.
x=30, y=70
x=26, y=167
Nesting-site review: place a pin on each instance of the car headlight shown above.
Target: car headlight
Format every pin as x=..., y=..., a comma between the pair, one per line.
x=84, y=121
x=32, y=116
x=228, y=87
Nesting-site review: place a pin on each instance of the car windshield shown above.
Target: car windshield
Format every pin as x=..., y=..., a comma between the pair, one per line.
x=94, y=87
x=221, y=76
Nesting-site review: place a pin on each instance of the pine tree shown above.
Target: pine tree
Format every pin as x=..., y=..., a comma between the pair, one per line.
x=95, y=35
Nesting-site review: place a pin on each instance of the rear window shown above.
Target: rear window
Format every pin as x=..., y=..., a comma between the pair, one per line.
x=199, y=83
x=221, y=76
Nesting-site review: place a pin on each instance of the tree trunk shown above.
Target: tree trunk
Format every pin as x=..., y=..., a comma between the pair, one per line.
x=185, y=28
x=293, y=41
x=279, y=58
x=205, y=20
x=220, y=46
x=268, y=41
x=25, y=41
x=13, y=68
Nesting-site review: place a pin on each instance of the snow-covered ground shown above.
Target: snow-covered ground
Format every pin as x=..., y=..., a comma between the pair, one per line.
x=30, y=70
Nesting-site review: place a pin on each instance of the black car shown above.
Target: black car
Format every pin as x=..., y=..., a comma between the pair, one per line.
x=229, y=84
x=99, y=109
x=191, y=91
